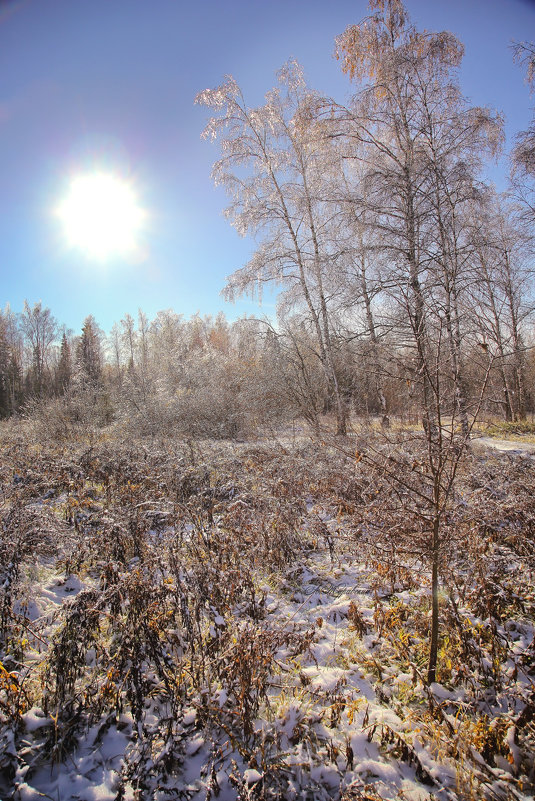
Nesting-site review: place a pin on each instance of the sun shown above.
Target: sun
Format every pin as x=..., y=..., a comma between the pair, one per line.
x=101, y=216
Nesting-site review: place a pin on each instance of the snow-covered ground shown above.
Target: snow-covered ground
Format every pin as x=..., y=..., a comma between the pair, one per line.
x=243, y=642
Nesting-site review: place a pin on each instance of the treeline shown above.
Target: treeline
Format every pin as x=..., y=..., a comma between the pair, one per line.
x=207, y=377
x=202, y=375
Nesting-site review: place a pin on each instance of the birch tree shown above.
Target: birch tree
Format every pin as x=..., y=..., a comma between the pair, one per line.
x=422, y=147
x=503, y=297
x=40, y=330
x=420, y=142
x=523, y=155
x=273, y=167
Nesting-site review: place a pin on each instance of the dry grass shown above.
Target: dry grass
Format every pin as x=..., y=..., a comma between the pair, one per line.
x=176, y=545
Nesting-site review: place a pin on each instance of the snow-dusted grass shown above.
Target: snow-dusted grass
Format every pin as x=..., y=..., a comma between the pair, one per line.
x=251, y=621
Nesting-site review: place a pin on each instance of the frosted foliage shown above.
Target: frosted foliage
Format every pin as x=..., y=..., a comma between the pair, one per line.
x=273, y=165
x=291, y=75
x=270, y=165
x=363, y=214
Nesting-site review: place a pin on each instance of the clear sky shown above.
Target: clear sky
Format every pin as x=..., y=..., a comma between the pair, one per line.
x=111, y=84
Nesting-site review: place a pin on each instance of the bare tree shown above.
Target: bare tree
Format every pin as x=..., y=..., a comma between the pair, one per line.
x=40, y=330
x=129, y=338
x=273, y=167
x=523, y=155
x=421, y=143
x=114, y=343
x=502, y=294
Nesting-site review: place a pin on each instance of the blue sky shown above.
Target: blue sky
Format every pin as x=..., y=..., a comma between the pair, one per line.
x=112, y=83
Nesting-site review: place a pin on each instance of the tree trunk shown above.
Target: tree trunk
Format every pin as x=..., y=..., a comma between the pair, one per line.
x=433, y=646
x=518, y=356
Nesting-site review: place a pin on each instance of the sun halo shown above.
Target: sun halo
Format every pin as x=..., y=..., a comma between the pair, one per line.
x=101, y=217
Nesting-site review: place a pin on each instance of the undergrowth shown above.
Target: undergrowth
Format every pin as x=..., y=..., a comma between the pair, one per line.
x=504, y=428
x=165, y=567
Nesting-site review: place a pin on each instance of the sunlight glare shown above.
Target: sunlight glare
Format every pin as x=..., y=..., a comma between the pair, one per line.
x=101, y=216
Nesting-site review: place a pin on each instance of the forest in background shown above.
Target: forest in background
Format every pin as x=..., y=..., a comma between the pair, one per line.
x=205, y=377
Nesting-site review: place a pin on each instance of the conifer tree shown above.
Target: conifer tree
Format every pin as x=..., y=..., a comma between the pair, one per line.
x=64, y=368
x=89, y=351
